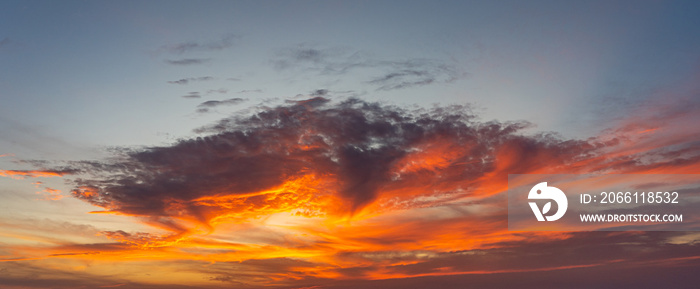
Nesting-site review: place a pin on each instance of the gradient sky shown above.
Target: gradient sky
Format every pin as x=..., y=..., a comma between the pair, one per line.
x=334, y=144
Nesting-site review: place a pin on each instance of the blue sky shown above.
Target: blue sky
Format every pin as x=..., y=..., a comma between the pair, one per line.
x=92, y=74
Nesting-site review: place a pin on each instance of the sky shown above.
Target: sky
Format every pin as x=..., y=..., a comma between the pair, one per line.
x=334, y=144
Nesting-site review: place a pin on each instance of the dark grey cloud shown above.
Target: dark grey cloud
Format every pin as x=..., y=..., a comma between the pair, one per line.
x=319, y=92
x=191, y=79
x=214, y=103
x=187, y=61
x=359, y=143
x=344, y=94
x=363, y=148
x=326, y=94
x=192, y=94
x=4, y=41
x=193, y=46
x=393, y=74
x=205, y=106
x=415, y=73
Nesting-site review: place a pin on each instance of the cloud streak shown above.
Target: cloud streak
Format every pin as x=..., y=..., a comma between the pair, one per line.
x=191, y=79
x=187, y=61
x=192, y=94
x=20, y=174
x=194, y=46
x=415, y=73
x=197, y=94
x=205, y=106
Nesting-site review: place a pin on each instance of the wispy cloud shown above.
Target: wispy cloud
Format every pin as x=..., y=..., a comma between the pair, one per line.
x=48, y=193
x=325, y=93
x=20, y=174
x=205, y=106
x=217, y=91
x=415, y=73
x=194, y=46
x=394, y=74
x=187, y=61
x=251, y=91
x=319, y=92
x=197, y=94
x=191, y=79
x=192, y=94
x=324, y=60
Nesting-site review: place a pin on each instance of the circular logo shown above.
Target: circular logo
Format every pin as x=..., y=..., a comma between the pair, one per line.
x=542, y=192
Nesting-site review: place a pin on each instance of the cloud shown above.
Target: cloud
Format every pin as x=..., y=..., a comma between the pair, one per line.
x=47, y=231
x=49, y=194
x=318, y=158
x=219, y=91
x=214, y=103
x=614, y=258
x=319, y=92
x=37, y=275
x=188, y=61
x=20, y=174
x=415, y=73
x=191, y=79
x=313, y=157
x=197, y=94
x=192, y=94
x=394, y=74
x=73, y=254
x=335, y=61
x=290, y=57
x=205, y=106
x=251, y=91
x=4, y=41
x=193, y=46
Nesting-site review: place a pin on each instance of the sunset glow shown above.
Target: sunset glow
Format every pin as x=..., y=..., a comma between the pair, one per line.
x=198, y=153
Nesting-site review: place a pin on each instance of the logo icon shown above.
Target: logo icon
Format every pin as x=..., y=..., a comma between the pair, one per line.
x=542, y=192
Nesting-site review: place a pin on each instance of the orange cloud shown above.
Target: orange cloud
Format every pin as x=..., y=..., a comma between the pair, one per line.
x=20, y=174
